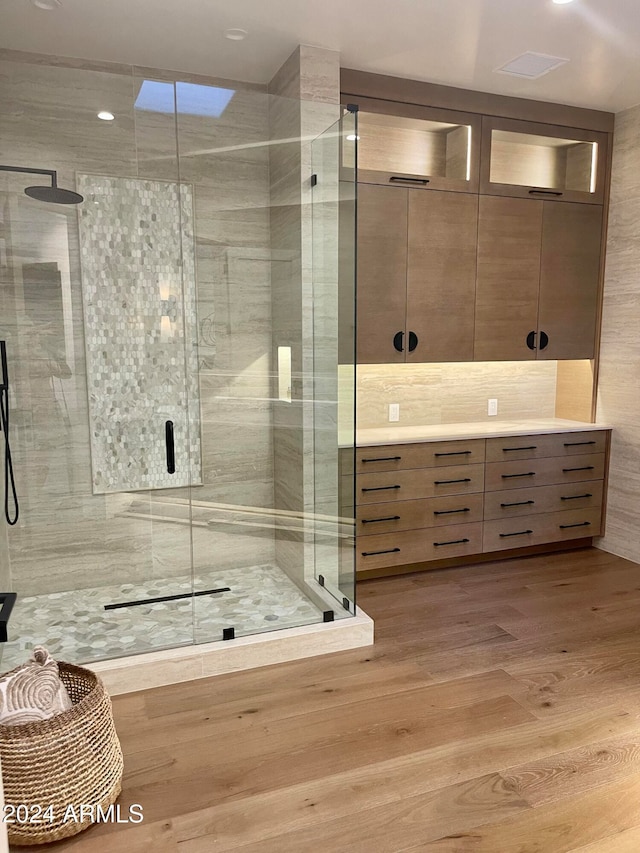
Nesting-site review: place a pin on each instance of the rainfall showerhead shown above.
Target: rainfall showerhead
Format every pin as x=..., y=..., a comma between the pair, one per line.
x=53, y=194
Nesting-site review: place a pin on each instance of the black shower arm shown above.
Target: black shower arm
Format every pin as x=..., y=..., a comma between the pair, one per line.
x=50, y=172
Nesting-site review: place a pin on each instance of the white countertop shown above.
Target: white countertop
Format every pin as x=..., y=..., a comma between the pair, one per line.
x=481, y=429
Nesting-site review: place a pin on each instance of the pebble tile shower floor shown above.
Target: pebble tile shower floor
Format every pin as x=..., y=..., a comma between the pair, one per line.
x=75, y=627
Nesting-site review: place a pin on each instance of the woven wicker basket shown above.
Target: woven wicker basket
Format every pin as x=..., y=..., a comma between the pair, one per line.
x=71, y=759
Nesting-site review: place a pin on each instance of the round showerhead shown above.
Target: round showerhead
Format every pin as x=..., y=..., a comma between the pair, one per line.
x=54, y=195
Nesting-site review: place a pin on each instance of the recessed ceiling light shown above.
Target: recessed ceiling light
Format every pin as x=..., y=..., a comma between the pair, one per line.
x=235, y=34
x=47, y=5
x=105, y=115
x=562, y=2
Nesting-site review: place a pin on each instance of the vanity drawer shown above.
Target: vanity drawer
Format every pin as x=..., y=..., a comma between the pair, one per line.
x=513, y=503
x=499, y=535
x=417, y=546
x=409, y=515
x=432, y=454
x=543, y=472
x=418, y=483
x=540, y=446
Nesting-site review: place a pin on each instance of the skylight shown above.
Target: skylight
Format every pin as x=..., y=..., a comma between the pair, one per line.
x=192, y=98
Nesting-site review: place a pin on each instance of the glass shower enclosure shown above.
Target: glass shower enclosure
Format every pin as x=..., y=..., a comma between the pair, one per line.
x=180, y=358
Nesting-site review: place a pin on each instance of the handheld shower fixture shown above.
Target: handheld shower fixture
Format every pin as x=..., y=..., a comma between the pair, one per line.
x=53, y=194
x=9, y=479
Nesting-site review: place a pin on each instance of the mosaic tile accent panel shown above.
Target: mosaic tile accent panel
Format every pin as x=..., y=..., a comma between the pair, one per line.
x=75, y=627
x=138, y=274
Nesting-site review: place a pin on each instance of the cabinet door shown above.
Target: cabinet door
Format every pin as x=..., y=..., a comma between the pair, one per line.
x=569, y=277
x=441, y=276
x=382, y=273
x=509, y=239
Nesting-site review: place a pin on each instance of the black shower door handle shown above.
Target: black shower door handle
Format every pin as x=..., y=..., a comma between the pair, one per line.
x=171, y=451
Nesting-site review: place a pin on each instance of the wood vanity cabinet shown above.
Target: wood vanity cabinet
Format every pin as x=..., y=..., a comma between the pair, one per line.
x=432, y=501
x=538, y=278
x=416, y=275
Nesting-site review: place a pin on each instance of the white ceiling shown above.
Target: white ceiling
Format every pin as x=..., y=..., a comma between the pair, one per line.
x=456, y=42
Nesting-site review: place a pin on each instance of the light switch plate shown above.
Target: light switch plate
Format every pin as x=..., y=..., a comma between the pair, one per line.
x=492, y=406
x=394, y=412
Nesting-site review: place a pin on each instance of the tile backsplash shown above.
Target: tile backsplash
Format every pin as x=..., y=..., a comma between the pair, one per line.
x=452, y=392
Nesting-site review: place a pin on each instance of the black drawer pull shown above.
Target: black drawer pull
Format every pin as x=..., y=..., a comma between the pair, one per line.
x=519, y=503
x=397, y=341
x=544, y=192
x=581, y=524
x=380, y=488
x=170, y=447
x=396, y=178
x=455, y=453
x=448, y=482
x=450, y=511
x=378, y=520
x=583, y=468
x=511, y=476
x=577, y=443
x=576, y=497
x=453, y=542
x=519, y=533
x=383, y=459
x=514, y=449
x=375, y=553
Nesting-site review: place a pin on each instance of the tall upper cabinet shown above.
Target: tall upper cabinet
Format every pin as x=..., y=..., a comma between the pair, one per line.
x=479, y=237
x=417, y=233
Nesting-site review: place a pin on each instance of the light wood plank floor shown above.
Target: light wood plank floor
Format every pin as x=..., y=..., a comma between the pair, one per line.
x=498, y=712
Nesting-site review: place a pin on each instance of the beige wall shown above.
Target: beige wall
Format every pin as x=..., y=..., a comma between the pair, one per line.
x=452, y=393
x=618, y=397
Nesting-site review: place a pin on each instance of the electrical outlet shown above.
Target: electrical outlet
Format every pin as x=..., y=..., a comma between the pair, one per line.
x=394, y=412
x=492, y=406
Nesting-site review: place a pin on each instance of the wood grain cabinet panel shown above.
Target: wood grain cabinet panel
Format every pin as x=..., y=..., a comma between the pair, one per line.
x=417, y=483
x=514, y=447
x=569, y=279
x=537, y=529
x=382, y=273
x=543, y=472
x=433, y=454
x=512, y=503
x=417, y=546
x=441, y=275
x=508, y=278
x=411, y=515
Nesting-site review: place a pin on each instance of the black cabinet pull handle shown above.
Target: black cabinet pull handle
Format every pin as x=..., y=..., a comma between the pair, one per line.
x=518, y=503
x=413, y=341
x=450, y=511
x=519, y=533
x=583, y=468
x=447, y=482
x=581, y=524
x=511, y=476
x=544, y=192
x=576, y=497
x=544, y=340
x=375, y=553
x=394, y=179
x=514, y=449
x=455, y=453
x=378, y=520
x=531, y=340
x=577, y=443
x=170, y=447
x=383, y=459
x=397, y=341
x=380, y=488
x=452, y=542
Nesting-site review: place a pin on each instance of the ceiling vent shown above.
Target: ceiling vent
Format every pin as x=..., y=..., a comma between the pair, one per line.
x=531, y=65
